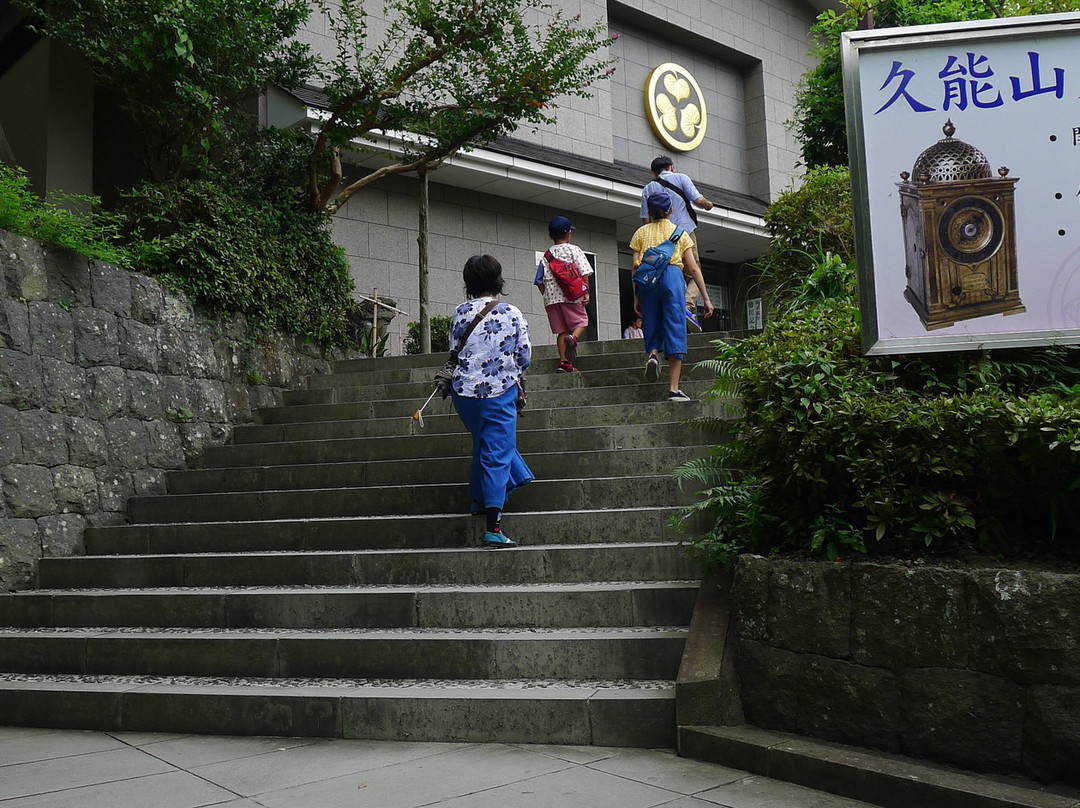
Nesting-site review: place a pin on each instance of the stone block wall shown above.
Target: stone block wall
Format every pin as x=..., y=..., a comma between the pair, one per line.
x=978, y=668
x=107, y=382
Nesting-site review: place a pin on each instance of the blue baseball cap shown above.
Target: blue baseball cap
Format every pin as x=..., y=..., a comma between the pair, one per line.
x=661, y=203
x=559, y=227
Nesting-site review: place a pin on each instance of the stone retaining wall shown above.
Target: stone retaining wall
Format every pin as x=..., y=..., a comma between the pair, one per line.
x=979, y=668
x=107, y=381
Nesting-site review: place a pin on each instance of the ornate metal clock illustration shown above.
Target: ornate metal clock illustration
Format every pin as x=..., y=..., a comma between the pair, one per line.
x=959, y=235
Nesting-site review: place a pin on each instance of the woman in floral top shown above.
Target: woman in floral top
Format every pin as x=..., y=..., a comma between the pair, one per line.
x=485, y=385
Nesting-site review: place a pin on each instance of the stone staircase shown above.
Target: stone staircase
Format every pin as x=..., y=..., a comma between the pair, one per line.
x=321, y=575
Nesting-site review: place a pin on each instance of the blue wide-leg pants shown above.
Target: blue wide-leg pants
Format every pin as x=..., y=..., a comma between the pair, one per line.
x=497, y=466
x=663, y=313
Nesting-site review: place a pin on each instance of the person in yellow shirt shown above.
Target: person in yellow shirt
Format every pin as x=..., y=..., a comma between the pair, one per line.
x=661, y=305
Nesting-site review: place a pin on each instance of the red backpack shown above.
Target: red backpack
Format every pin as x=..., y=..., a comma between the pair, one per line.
x=568, y=277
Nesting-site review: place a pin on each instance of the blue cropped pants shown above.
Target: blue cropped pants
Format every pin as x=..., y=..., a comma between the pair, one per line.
x=497, y=465
x=663, y=313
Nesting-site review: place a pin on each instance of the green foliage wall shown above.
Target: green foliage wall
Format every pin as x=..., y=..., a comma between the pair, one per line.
x=807, y=223
x=440, y=336
x=838, y=454
x=240, y=241
x=95, y=233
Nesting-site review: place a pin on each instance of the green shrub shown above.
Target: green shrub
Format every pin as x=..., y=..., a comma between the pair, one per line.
x=839, y=454
x=94, y=233
x=440, y=336
x=836, y=454
x=806, y=222
x=240, y=242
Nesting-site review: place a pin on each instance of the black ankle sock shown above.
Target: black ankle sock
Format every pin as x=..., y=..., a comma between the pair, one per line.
x=493, y=515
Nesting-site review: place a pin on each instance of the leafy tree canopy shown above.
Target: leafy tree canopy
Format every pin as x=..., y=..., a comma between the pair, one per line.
x=818, y=120
x=446, y=74
x=434, y=76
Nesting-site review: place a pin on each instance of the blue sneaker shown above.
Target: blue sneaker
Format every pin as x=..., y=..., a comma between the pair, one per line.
x=497, y=541
x=692, y=323
x=476, y=509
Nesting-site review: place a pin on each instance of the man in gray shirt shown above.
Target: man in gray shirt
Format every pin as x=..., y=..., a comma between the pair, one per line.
x=684, y=196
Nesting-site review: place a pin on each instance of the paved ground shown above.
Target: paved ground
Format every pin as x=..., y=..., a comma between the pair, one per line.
x=74, y=769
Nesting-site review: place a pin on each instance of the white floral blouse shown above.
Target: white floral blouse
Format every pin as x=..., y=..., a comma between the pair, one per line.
x=497, y=352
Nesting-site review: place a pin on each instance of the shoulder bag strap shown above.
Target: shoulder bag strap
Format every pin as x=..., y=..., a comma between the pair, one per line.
x=475, y=322
x=689, y=205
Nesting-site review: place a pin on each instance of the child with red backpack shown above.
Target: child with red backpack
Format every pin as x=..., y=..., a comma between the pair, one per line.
x=561, y=279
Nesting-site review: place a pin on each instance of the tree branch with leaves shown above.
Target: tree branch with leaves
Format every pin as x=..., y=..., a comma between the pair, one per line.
x=446, y=75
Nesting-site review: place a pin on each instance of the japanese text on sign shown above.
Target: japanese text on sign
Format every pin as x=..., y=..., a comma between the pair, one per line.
x=970, y=80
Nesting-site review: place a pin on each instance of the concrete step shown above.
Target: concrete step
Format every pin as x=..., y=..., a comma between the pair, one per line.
x=643, y=561
x=545, y=465
x=360, y=371
x=580, y=528
x=423, y=446
x=600, y=403
x=564, y=712
x=562, y=653
x=665, y=603
x=538, y=529
x=541, y=353
x=442, y=420
x=316, y=579
x=879, y=778
x=562, y=390
x=603, y=493
x=621, y=377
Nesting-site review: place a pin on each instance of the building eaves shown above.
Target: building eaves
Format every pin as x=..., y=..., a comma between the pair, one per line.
x=616, y=171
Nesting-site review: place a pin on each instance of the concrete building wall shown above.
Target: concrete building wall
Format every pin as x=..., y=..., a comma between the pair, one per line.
x=747, y=56
x=378, y=230
x=721, y=159
x=584, y=124
x=769, y=39
x=47, y=111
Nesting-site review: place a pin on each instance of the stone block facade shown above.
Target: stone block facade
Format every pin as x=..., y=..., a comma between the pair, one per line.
x=377, y=229
x=978, y=668
x=108, y=380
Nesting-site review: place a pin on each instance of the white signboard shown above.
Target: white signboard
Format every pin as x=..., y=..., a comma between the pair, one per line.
x=965, y=154
x=753, y=314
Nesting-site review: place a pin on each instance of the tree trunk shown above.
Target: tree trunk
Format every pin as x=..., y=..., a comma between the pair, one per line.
x=421, y=240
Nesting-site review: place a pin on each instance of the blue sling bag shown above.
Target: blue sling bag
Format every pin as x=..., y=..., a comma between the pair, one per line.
x=656, y=260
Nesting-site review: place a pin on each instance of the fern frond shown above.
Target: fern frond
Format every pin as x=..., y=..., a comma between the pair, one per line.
x=704, y=470
x=709, y=423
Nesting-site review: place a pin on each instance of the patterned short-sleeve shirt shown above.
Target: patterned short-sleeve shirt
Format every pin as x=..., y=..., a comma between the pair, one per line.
x=566, y=251
x=497, y=352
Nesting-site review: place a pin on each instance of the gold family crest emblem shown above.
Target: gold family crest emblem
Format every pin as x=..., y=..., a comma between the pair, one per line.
x=675, y=107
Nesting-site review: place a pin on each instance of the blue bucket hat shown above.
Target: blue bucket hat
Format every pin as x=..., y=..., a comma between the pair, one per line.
x=658, y=203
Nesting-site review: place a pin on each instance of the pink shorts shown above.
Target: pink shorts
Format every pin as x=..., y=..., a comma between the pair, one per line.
x=565, y=317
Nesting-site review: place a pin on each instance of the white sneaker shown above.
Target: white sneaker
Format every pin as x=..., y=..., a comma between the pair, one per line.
x=678, y=395
x=652, y=369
